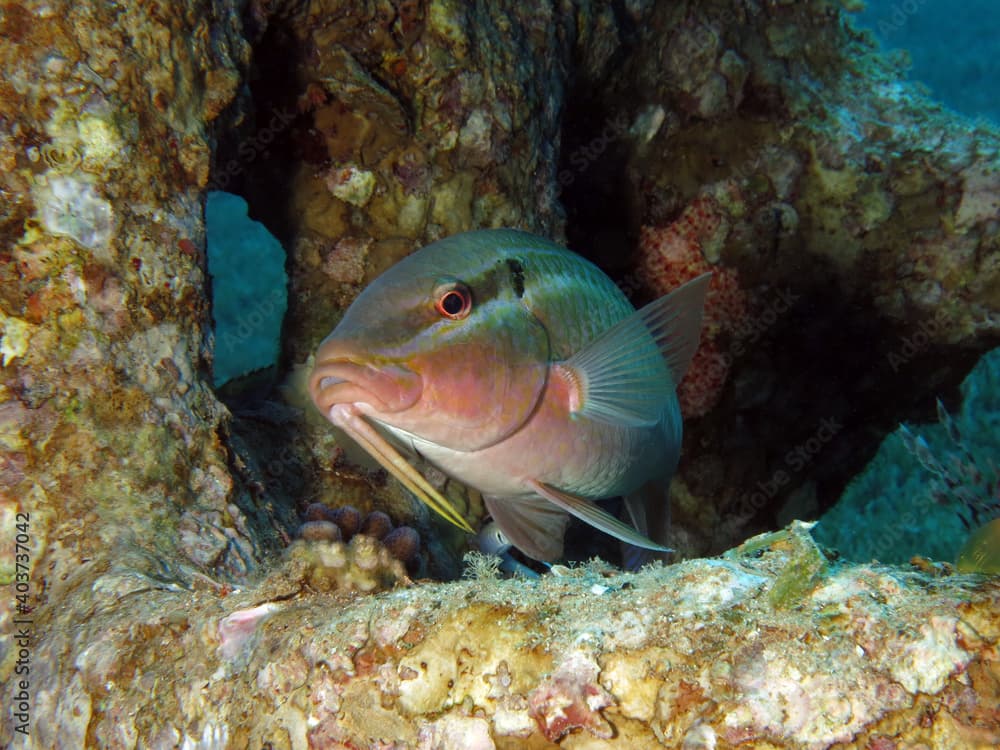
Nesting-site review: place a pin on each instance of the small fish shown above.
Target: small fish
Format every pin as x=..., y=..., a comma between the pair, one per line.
x=492, y=541
x=520, y=369
x=981, y=553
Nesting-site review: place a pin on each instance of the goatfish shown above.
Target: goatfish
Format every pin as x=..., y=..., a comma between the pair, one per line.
x=520, y=369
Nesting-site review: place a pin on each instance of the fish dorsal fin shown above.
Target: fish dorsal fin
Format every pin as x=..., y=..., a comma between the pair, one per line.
x=621, y=379
x=588, y=512
x=674, y=321
x=532, y=524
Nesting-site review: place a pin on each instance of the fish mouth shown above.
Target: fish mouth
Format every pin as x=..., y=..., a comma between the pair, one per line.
x=342, y=383
x=341, y=376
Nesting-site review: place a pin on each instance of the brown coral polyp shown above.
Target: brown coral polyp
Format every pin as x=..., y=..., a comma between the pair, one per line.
x=369, y=538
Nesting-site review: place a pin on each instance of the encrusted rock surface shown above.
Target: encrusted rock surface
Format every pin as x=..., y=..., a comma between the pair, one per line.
x=111, y=429
x=768, y=646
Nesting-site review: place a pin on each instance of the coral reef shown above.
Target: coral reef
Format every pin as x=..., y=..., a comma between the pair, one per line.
x=859, y=217
x=155, y=518
x=927, y=486
x=363, y=564
x=111, y=429
x=404, y=134
x=768, y=144
x=345, y=524
x=668, y=257
x=747, y=649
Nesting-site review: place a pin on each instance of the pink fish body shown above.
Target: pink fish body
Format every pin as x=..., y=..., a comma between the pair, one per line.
x=520, y=369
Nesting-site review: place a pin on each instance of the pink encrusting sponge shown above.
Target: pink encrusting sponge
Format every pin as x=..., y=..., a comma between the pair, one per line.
x=673, y=254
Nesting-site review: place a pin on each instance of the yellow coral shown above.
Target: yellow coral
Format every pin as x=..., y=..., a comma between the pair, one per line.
x=15, y=336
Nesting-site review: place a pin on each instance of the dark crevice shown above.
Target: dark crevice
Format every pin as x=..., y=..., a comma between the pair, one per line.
x=259, y=142
x=593, y=184
x=256, y=158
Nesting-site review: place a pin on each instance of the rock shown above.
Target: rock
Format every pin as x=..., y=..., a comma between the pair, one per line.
x=152, y=512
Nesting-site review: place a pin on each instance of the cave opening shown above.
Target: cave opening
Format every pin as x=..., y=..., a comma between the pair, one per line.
x=247, y=268
x=249, y=230
x=266, y=141
x=593, y=184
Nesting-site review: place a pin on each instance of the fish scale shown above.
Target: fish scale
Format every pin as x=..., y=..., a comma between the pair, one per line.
x=575, y=302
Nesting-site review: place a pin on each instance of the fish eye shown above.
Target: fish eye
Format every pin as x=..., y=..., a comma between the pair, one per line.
x=454, y=301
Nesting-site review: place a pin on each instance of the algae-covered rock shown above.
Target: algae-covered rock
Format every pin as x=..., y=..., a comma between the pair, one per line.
x=799, y=567
x=147, y=524
x=700, y=653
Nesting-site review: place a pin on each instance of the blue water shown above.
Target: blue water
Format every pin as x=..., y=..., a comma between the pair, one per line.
x=954, y=48
x=247, y=265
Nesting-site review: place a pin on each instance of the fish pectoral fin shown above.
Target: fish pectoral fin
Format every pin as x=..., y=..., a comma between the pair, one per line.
x=623, y=379
x=587, y=511
x=532, y=524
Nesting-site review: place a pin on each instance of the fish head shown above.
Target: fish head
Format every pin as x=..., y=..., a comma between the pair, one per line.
x=441, y=346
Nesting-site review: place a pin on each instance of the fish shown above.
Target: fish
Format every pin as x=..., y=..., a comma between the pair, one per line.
x=520, y=369
x=981, y=552
x=492, y=541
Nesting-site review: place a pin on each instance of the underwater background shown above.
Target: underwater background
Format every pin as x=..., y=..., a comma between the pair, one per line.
x=894, y=508
x=952, y=48
x=192, y=195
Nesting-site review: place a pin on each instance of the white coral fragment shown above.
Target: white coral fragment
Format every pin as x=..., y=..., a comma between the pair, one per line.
x=925, y=664
x=15, y=337
x=456, y=733
x=351, y=184
x=236, y=630
x=72, y=208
